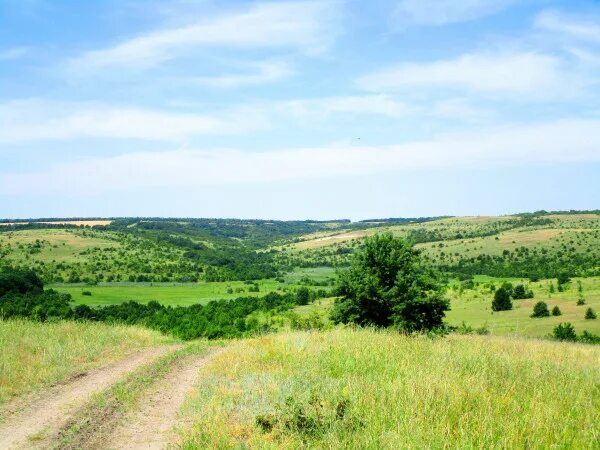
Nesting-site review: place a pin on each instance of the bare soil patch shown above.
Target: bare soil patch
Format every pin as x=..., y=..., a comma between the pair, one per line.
x=33, y=425
x=153, y=425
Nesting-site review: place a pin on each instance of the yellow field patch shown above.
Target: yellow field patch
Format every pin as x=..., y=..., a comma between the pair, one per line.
x=324, y=241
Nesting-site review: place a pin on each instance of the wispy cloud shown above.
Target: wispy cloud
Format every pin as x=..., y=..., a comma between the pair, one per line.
x=27, y=121
x=542, y=143
x=354, y=104
x=520, y=73
x=261, y=72
x=583, y=28
x=440, y=12
x=303, y=25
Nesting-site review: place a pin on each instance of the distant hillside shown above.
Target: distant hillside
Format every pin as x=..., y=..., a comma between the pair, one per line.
x=536, y=245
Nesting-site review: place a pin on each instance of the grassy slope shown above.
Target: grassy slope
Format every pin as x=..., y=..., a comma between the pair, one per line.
x=366, y=389
x=55, y=245
x=578, y=232
x=34, y=355
x=89, y=253
x=474, y=308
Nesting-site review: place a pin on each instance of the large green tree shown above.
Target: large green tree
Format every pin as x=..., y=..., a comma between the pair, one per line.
x=390, y=284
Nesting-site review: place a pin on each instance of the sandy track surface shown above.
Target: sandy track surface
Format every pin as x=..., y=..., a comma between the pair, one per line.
x=153, y=424
x=36, y=423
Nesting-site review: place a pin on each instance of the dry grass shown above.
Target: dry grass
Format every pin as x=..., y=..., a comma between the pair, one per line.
x=34, y=355
x=397, y=392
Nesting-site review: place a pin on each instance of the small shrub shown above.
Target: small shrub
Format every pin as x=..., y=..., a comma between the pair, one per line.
x=580, y=301
x=464, y=328
x=502, y=300
x=590, y=314
x=589, y=338
x=540, y=310
x=564, y=332
x=309, y=417
x=87, y=293
x=556, y=311
x=521, y=292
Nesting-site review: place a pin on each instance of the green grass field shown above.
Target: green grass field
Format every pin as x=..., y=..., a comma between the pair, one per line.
x=181, y=294
x=379, y=390
x=474, y=308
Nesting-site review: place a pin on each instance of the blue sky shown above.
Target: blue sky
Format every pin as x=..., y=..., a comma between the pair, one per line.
x=304, y=109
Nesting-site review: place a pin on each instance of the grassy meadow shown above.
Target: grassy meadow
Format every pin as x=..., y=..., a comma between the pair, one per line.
x=473, y=306
x=184, y=294
x=380, y=390
x=34, y=355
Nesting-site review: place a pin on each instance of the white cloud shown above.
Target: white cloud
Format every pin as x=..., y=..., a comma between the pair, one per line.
x=524, y=73
x=441, y=12
x=587, y=29
x=556, y=142
x=357, y=104
x=26, y=121
x=461, y=109
x=304, y=25
x=264, y=72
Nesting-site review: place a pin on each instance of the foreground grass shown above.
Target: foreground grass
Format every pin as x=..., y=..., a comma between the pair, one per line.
x=34, y=355
x=367, y=389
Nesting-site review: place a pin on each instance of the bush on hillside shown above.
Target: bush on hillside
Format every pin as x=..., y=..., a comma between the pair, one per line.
x=580, y=301
x=590, y=314
x=19, y=281
x=564, y=332
x=540, y=310
x=521, y=292
x=390, y=284
x=502, y=301
x=589, y=338
x=556, y=311
x=303, y=296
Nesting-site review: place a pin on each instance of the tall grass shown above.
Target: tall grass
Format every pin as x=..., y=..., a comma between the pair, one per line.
x=33, y=354
x=372, y=390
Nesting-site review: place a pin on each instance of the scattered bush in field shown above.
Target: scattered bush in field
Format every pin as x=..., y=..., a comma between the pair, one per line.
x=390, y=284
x=86, y=293
x=521, y=292
x=590, y=314
x=540, y=310
x=502, y=300
x=467, y=329
x=310, y=417
x=467, y=284
x=19, y=281
x=564, y=332
x=580, y=301
x=556, y=311
x=303, y=296
x=589, y=338
x=563, y=279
